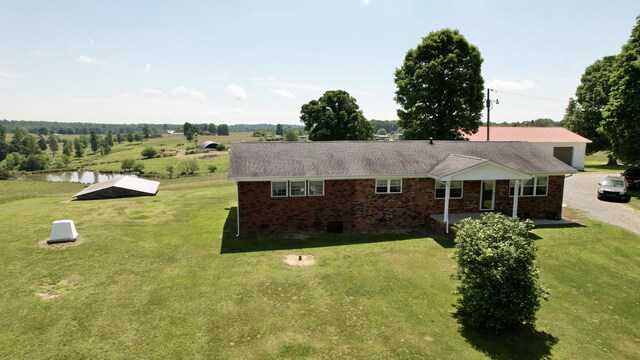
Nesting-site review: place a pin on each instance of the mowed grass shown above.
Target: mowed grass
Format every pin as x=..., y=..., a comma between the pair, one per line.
x=158, y=165
x=165, y=277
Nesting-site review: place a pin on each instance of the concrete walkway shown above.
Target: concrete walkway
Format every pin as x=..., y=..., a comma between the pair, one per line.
x=580, y=192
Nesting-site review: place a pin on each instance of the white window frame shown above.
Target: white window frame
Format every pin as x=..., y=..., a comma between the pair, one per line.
x=534, y=187
x=444, y=186
x=304, y=188
x=286, y=189
x=388, y=186
x=309, y=187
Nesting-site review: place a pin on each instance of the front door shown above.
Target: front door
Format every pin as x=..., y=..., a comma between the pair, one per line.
x=487, y=194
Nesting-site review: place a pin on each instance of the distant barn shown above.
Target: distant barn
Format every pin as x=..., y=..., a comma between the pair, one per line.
x=208, y=146
x=126, y=186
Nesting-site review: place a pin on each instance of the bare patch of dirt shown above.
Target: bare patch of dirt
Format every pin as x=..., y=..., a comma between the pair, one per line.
x=43, y=244
x=54, y=290
x=299, y=260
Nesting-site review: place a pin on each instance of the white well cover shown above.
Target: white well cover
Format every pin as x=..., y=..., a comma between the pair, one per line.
x=63, y=230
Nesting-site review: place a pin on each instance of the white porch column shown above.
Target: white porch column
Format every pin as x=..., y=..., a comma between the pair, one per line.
x=516, y=194
x=446, y=205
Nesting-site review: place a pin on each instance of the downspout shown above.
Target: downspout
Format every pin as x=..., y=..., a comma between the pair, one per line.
x=446, y=205
x=238, y=207
x=516, y=194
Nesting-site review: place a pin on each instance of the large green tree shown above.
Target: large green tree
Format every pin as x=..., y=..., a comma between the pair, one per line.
x=440, y=87
x=584, y=114
x=335, y=116
x=622, y=113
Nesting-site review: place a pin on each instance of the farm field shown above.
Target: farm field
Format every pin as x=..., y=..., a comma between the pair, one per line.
x=165, y=277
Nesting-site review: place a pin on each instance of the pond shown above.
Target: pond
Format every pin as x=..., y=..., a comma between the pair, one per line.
x=84, y=177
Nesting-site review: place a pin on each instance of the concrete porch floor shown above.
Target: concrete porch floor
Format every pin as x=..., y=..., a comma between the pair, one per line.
x=456, y=218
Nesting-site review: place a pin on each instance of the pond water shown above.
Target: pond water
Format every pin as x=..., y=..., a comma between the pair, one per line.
x=84, y=177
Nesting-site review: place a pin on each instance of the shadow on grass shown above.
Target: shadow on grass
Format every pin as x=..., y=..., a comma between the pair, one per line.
x=234, y=244
x=519, y=344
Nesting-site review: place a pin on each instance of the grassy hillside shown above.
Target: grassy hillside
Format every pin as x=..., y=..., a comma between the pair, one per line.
x=165, y=277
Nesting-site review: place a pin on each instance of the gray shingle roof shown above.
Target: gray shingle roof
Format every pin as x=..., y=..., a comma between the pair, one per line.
x=344, y=159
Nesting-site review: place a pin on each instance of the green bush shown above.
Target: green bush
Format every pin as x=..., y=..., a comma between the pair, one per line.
x=212, y=168
x=35, y=162
x=127, y=164
x=498, y=279
x=149, y=152
x=189, y=166
x=138, y=167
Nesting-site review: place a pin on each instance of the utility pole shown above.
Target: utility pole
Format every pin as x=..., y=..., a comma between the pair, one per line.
x=489, y=110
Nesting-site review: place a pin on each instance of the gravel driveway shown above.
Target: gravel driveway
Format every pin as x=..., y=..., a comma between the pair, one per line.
x=580, y=192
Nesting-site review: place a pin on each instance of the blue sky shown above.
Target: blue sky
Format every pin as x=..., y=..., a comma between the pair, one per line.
x=259, y=61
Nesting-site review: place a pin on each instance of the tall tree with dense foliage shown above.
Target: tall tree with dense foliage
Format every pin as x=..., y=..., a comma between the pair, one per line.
x=53, y=144
x=223, y=130
x=79, y=147
x=279, y=130
x=94, y=141
x=335, y=116
x=584, y=114
x=622, y=113
x=146, y=131
x=498, y=286
x=440, y=88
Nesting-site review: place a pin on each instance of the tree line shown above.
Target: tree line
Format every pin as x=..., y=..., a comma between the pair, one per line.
x=606, y=107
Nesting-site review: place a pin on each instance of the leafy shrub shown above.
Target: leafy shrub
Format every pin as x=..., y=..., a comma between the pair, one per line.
x=498, y=279
x=189, y=166
x=212, y=168
x=149, y=152
x=138, y=167
x=127, y=164
x=5, y=174
x=170, y=170
x=221, y=147
x=35, y=162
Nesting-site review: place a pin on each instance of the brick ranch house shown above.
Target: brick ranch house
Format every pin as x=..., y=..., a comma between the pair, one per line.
x=371, y=186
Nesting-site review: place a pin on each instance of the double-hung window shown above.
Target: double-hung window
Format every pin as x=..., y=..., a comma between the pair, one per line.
x=388, y=186
x=279, y=189
x=297, y=188
x=536, y=186
x=316, y=187
x=455, y=189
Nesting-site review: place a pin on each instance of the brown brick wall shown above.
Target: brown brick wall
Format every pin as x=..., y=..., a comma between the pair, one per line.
x=360, y=209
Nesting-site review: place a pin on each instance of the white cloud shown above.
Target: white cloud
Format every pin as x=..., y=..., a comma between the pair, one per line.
x=238, y=110
x=365, y=2
x=237, y=91
x=91, y=42
x=147, y=68
x=148, y=91
x=285, y=93
x=89, y=60
x=511, y=85
x=188, y=92
x=8, y=75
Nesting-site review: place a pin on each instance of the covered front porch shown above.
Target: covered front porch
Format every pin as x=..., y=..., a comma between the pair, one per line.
x=456, y=218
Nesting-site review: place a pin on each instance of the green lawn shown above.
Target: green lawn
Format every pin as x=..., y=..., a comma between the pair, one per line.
x=165, y=277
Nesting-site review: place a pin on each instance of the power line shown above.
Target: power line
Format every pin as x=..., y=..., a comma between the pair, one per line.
x=530, y=96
